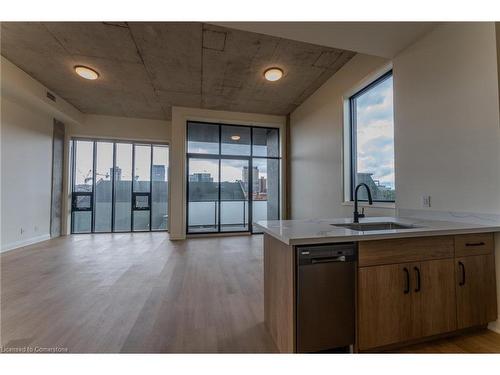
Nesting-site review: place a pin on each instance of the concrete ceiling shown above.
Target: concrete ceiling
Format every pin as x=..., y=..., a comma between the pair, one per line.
x=146, y=68
x=384, y=39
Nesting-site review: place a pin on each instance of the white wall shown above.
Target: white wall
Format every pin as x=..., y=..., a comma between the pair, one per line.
x=447, y=123
x=112, y=127
x=26, y=154
x=316, y=144
x=180, y=116
x=447, y=134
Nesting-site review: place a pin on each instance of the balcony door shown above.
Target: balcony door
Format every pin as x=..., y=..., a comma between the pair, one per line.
x=119, y=186
x=232, y=177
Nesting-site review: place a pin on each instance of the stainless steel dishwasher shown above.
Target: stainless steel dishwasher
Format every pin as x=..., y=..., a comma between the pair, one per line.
x=326, y=297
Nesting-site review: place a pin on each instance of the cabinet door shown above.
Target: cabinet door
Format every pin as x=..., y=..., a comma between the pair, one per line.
x=384, y=305
x=434, y=303
x=476, y=290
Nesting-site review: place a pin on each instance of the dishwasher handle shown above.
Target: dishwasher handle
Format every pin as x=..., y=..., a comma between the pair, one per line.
x=340, y=258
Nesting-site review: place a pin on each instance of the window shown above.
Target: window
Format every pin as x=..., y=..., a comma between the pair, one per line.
x=372, y=140
x=232, y=177
x=118, y=186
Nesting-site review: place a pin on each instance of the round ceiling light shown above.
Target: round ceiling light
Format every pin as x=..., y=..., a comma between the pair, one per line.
x=273, y=74
x=235, y=137
x=86, y=72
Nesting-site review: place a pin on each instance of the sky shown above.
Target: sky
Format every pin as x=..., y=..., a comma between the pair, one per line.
x=375, y=133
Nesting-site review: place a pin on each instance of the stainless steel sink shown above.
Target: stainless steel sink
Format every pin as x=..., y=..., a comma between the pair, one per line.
x=362, y=227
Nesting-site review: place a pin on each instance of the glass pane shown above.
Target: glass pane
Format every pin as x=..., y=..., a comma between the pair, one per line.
x=266, y=142
x=159, y=192
x=203, y=138
x=234, y=195
x=142, y=173
x=203, y=186
x=83, y=202
x=123, y=187
x=84, y=165
x=82, y=221
x=141, y=202
x=103, y=186
x=375, y=141
x=141, y=220
x=265, y=186
x=235, y=140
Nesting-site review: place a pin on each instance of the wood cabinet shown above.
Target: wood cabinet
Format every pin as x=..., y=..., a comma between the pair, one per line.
x=440, y=285
x=400, y=302
x=433, y=298
x=384, y=305
x=476, y=290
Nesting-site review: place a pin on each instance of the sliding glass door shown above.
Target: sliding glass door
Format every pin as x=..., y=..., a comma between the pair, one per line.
x=232, y=177
x=119, y=186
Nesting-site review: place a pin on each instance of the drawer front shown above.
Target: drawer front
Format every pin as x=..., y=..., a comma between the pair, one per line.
x=400, y=250
x=474, y=244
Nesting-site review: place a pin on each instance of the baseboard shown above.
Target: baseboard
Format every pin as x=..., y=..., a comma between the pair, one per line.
x=26, y=242
x=495, y=326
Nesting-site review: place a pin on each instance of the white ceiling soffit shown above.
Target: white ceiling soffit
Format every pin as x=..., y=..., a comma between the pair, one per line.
x=384, y=39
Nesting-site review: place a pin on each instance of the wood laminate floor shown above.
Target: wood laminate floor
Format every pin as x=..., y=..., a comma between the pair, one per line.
x=135, y=293
x=142, y=292
x=484, y=341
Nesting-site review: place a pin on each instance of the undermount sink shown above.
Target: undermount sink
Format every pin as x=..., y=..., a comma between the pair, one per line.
x=362, y=227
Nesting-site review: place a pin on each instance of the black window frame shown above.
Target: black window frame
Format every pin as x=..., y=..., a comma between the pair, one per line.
x=352, y=134
x=133, y=193
x=220, y=156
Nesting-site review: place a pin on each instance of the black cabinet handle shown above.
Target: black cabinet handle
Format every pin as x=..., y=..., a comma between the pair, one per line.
x=407, y=286
x=475, y=244
x=462, y=268
x=417, y=270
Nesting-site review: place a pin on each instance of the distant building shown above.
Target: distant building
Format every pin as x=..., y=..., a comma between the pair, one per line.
x=378, y=191
x=158, y=173
x=262, y=185
x=201, y=177
x=255, y=178
x=118, y=172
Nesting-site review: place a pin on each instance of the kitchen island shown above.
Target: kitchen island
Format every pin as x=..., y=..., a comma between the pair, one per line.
x=417, y=280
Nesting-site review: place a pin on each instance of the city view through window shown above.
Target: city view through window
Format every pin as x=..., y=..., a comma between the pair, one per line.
x=233, y=177
x=133, y=198
x=372, y=121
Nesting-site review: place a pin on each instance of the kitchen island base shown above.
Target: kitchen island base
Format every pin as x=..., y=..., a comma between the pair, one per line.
x=408, y=290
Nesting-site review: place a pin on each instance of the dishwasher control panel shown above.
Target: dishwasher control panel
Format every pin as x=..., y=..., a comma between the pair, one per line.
x=341, y=252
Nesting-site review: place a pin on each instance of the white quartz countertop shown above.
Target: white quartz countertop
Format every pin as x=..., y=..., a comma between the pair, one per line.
x=315, y=231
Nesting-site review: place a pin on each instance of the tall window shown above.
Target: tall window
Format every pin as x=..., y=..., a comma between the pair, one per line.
x=232, y=177
x=118, y=186
x=372, y=140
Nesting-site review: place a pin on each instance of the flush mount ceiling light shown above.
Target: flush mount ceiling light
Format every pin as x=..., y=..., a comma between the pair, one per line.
x=273, y=74
x=86, y=72
x=235, y=137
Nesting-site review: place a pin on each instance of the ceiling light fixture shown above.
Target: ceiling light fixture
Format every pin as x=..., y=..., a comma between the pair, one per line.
x=86, y=72
x=235, y=137
x=273, y=74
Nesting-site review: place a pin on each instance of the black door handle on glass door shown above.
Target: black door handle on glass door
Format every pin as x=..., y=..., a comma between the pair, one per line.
x=462, y=267
x=407, y=286
x=417, y=271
